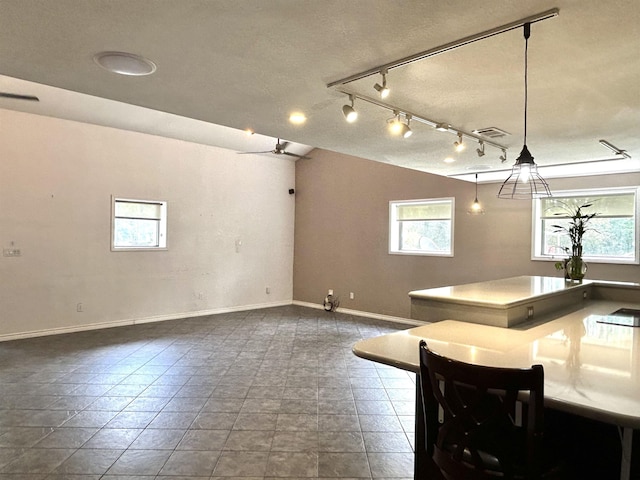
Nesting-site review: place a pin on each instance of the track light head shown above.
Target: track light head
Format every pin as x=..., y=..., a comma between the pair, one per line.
x=459, y=145
x=397, y=127
x=393, y=123
x=503, y=157
x=480, y=151
x=405, y=129
x=442, y=127
x=349, y=112
x=382, y=90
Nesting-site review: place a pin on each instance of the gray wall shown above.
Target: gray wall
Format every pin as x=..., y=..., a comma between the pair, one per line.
x=341, y=239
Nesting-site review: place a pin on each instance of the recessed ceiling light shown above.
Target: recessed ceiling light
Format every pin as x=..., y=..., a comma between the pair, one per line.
x=297, y=118
x=124, y=63
x=449, y=160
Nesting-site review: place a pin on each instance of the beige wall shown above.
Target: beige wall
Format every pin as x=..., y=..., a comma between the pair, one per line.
x=56, y=182
x=341, y=238
x=57, y=178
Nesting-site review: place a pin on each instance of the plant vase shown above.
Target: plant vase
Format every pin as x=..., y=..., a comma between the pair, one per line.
x=575, y=269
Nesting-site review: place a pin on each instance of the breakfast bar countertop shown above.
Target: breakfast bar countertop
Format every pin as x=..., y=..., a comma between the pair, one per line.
x=591, y=368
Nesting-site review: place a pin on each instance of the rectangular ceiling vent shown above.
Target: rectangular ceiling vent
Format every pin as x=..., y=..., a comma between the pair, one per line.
x=491, y=132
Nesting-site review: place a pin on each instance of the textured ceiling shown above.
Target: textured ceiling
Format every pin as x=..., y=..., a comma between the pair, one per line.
x=250, y=63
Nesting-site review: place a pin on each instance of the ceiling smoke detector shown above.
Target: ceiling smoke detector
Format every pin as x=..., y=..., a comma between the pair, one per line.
x=124, y=63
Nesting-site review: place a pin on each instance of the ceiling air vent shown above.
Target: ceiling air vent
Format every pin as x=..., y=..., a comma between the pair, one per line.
x=491, y=132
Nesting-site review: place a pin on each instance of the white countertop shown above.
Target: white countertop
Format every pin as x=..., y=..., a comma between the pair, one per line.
x=591, y=369
x=502, y=292
x=506, y=292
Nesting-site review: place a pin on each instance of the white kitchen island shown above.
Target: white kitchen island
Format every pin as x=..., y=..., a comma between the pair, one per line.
x=511, y=301
x=592, y=368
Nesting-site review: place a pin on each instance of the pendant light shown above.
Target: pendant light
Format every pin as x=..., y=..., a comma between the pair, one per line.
x=476, y=208
x=524, y=182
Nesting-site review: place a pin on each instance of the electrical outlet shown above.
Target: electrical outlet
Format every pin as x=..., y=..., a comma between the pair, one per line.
x=352, y=295
x=268, y=290
x=530, y=312
x=79, y=307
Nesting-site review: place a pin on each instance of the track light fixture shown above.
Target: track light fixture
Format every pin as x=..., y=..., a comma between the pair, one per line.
x=459, y=145
x=349, y=112
x=405, y=129
x=524, y=182
x=382, y=90
x=394, y=123
x=480, y=151
x=614, y=149
x=397, y=127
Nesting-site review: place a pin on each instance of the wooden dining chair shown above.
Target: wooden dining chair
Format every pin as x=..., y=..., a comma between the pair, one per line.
x=482, y=422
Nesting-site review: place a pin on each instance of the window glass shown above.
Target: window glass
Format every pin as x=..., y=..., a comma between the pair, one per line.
x=421, y=227
x=138, y=224
x=611, y=236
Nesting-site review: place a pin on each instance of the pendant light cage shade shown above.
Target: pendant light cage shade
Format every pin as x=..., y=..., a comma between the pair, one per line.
x=524, y=182
x=516, y=188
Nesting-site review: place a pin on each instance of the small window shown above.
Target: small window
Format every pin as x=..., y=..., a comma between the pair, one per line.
x=421, y=227
x=139, y=224
x=612, y=234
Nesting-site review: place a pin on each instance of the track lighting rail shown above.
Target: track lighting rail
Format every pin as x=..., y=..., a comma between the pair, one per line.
x=418, y=118
x=341, y=85
x=554, y=12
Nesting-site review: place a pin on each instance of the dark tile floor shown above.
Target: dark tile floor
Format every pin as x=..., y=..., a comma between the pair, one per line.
x=271, y=393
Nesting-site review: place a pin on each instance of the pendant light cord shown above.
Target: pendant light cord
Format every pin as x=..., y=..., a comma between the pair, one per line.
x=527, y=34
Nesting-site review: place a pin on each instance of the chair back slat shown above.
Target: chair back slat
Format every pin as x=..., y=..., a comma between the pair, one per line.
x=492, y=418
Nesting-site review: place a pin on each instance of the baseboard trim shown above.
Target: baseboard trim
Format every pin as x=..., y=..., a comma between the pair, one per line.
x=200, y=313
x=135, y=321
x=360, y=313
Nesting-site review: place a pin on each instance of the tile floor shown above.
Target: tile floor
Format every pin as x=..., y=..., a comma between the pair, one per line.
x=271, y=393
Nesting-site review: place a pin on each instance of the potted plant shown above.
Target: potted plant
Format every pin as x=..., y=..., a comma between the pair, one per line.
x=574, y=266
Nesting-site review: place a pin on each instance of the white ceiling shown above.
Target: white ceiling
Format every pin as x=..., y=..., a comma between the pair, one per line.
x=227, y=65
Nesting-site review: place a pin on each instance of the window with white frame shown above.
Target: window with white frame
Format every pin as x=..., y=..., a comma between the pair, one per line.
x=612, y=235
x=138, y=224
x=421, y=227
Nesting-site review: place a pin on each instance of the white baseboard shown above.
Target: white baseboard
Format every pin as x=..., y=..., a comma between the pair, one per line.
x=359, y=313
x=199, y=313
x=135, y=321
